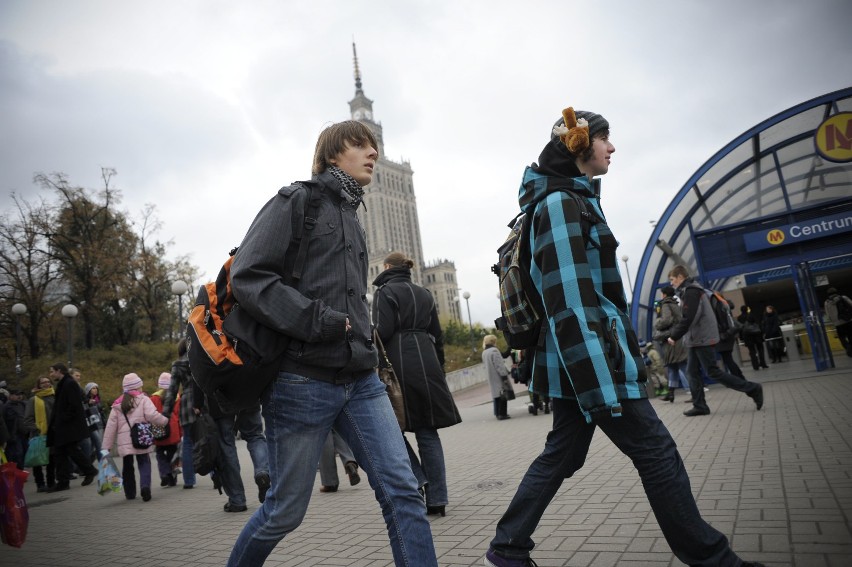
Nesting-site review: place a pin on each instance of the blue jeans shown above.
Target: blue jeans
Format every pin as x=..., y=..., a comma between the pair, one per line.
x=229, y=462
x=299, y=413
x=676, y=373
x=705, y=357
x=641, y=436
x=186, y=456
x=250, y=425
x=430, y=466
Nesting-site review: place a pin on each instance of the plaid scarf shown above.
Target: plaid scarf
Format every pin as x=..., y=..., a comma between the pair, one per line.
x=352, y=192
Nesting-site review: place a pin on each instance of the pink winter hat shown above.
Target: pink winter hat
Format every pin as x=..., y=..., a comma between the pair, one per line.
x=165, y=380
x=131, y=381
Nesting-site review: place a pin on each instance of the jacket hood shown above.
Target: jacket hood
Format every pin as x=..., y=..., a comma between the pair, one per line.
x=536, y=186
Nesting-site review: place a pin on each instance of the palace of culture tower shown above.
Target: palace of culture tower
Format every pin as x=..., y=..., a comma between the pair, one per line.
x=390, y=217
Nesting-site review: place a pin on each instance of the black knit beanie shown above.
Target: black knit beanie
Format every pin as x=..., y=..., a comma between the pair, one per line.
x=555, y=159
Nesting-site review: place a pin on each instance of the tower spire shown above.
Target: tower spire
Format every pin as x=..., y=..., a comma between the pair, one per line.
x=358, y=89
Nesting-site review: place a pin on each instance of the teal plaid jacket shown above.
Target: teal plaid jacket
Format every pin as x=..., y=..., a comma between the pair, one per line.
x=589, y=351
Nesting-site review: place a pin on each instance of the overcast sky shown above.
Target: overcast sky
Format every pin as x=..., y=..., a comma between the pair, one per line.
x=205, y=108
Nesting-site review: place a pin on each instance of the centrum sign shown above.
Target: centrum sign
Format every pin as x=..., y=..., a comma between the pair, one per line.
x=798, y=232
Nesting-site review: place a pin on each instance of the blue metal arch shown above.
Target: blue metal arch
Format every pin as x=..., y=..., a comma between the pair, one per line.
x=643, y=297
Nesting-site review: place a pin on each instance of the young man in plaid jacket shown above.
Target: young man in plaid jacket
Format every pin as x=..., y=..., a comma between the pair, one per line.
x=588, y=360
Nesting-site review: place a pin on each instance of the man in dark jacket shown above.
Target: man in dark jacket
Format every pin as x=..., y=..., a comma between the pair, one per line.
x=700, y=334
x=328, y=374
x=67, y=428
x=13, y=416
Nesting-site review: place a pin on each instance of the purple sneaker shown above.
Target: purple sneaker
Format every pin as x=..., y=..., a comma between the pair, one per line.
x=494, y=560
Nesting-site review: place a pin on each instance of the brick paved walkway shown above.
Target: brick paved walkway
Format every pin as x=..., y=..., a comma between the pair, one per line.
x=777, y=482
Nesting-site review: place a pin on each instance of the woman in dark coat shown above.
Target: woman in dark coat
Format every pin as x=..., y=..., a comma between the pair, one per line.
x=407, y=322
x=674, y=356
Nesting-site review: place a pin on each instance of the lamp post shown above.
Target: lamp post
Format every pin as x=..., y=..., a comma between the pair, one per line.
x=466, y=296
x=624, y=259
x=69, y=312
x=179, y=288
x=18, y=309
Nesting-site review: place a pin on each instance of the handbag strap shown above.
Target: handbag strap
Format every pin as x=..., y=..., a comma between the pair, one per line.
x=380, y=346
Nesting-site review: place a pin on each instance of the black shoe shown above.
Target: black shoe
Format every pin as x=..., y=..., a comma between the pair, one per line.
x=165, y=480
x=88, y=479
x=188, y=486
x=752, y=564
x=172, y=480
x=263, y=483
x=669, y=397
x=59, y=488
x=351, y=469
x=435, y=510
x=546, y=408
x=758, y=397
x=324, y=488
x=234, y=508
x=146, y=493
x=695, y=411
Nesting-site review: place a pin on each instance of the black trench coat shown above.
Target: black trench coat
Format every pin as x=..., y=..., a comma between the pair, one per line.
x=407, y=321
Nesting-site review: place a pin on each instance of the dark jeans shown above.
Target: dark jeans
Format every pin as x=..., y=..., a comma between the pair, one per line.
x=640, y=435
x=50, y=469
x=64, y=455
x=731, y=366
x=128, y=474
x=755, y=353
x=705, y=357
x=165, y=454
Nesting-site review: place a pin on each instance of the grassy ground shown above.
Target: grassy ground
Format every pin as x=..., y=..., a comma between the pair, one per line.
x=148, y=360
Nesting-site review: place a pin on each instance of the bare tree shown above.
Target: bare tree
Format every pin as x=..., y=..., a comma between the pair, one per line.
x=28, y=274
x=92, y=242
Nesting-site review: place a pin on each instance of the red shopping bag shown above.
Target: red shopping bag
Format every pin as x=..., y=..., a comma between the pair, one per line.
x=14, y=517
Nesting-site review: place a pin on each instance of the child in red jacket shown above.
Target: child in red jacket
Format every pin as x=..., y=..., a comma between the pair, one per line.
x=166, y=446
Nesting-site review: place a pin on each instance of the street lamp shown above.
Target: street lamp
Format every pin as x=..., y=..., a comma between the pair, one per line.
x=69, y=312
x=179, y=288
x=18, y=309
x=624, y=259
x=466, y=296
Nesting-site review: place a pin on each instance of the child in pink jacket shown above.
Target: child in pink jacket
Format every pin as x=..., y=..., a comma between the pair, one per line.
x=130, y=408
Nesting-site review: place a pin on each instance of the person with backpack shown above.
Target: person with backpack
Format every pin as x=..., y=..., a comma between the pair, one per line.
x=699, y=331
x=771, y=327
x=180, y=394
x=587, y=357
x=327, y=375
x=752, y=338
x=132, y=408
x=838, y=310
x=167, y=446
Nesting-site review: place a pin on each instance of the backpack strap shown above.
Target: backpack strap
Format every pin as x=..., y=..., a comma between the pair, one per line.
x=310, y=222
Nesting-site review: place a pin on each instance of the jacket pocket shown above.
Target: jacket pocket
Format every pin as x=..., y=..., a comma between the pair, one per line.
x=614, y=351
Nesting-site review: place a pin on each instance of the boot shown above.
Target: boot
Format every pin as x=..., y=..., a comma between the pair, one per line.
x=504, y=410
x=670, y=396
x=497, y=408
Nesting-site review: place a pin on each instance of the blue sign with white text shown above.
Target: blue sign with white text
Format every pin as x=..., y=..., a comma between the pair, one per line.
x=798, y=232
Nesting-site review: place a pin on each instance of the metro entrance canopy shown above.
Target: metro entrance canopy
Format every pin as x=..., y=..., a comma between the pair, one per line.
x=777, y=197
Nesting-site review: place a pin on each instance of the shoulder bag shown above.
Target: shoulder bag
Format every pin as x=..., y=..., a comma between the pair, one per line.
x=390, y=380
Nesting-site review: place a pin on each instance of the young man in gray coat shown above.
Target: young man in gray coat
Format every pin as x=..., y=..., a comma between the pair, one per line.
x=700, y=334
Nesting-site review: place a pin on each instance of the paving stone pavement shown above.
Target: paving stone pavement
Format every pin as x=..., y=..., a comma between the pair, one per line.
x=778, y=482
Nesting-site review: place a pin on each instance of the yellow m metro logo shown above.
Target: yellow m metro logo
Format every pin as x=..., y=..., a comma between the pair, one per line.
x=775, y=237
